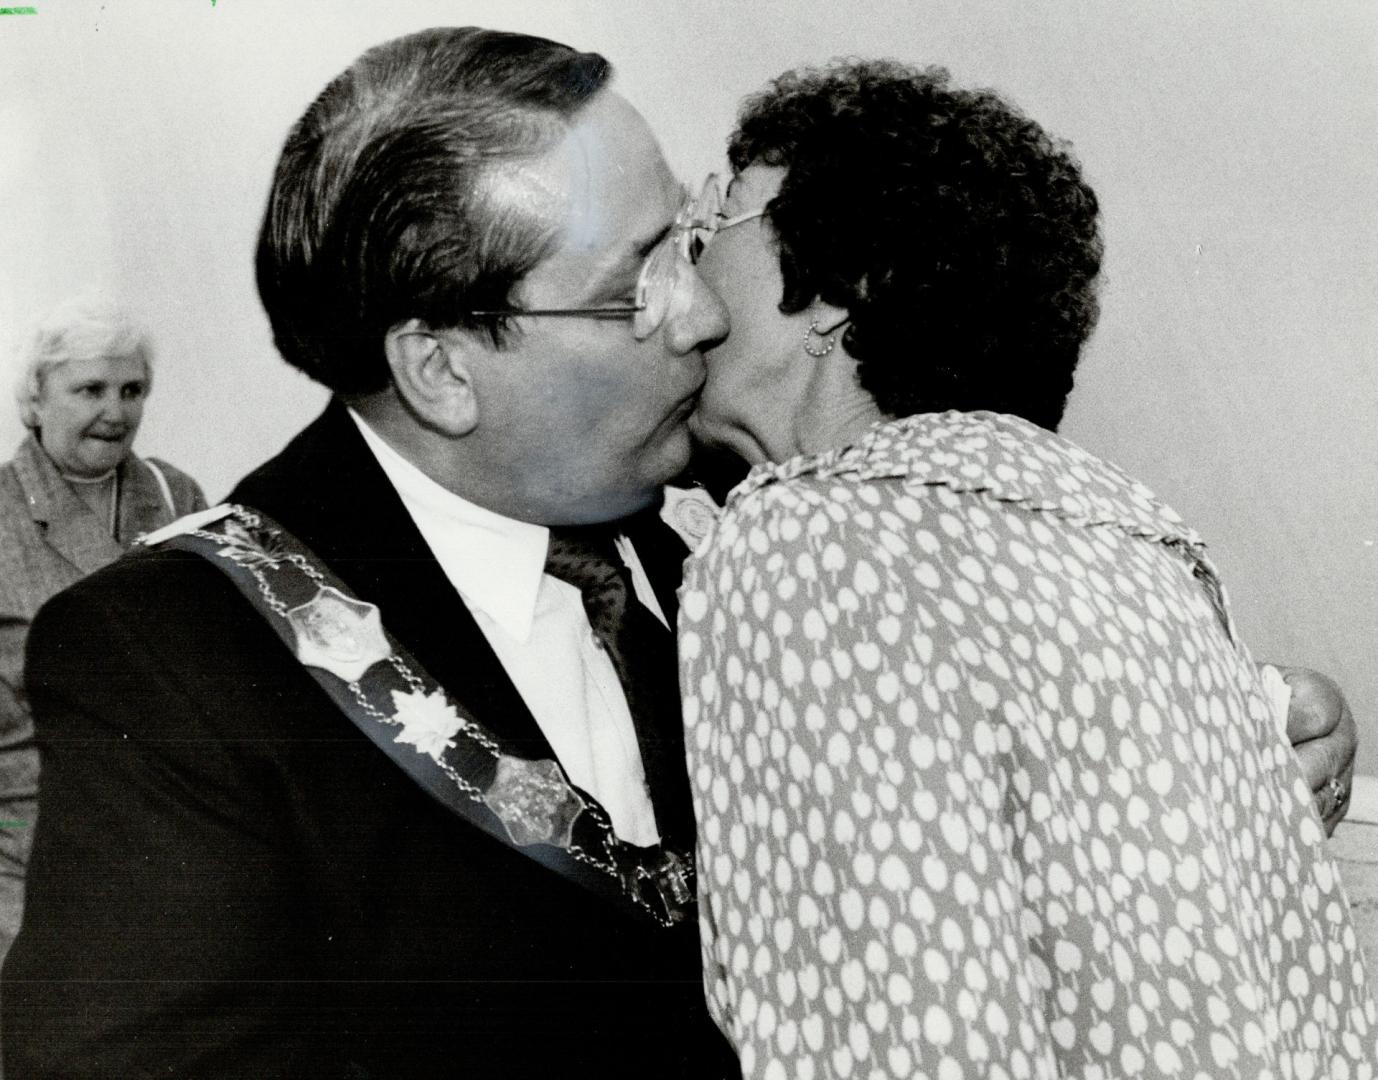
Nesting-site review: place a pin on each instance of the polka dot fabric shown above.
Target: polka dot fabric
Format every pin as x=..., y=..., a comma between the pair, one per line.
x=987, y=788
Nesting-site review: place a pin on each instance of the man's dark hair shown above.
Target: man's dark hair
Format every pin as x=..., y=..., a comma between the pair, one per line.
x=379, y=210
x=961, y=239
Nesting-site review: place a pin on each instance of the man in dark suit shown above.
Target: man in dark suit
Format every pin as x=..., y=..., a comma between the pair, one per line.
x=473, y=242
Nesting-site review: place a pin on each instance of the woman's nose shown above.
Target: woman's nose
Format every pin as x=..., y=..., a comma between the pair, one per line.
x=116, y=409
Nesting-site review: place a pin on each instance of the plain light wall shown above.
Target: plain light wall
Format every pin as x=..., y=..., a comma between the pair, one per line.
x=1232, y=144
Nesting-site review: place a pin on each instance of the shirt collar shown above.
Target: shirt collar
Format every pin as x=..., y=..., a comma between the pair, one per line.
x=495, y=562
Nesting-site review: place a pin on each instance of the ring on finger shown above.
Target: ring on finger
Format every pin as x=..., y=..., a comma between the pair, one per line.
x=1331, y=797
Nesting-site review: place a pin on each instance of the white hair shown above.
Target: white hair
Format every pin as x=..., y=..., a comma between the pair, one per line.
x=86, y=327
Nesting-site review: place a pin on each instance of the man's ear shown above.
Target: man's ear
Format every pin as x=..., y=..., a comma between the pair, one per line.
x=431, y=370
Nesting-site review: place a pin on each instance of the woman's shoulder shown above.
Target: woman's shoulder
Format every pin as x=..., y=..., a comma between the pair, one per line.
x=23, y=484
x=993, y=455
x=16, y=519
x=782, y=518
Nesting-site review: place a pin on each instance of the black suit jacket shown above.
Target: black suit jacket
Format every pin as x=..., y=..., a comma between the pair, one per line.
x=229, y=880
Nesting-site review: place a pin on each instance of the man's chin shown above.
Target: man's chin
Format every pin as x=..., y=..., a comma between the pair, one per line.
x=671, y=462
x=667, y=459
x=594, y=511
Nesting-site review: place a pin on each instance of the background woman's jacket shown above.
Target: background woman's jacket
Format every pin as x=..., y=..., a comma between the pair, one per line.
x=50, y=539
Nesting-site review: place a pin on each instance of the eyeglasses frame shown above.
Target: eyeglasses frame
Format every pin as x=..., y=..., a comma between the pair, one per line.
x=677, y=236
x=688, y=230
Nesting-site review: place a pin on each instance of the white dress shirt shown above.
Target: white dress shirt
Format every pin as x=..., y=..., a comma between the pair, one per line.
x=537, y=626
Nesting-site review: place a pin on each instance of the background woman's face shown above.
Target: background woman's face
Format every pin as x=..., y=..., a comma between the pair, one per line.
x=89, y=412
x=749, y=400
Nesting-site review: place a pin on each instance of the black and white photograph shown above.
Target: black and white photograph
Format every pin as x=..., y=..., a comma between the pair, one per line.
x=677, y=538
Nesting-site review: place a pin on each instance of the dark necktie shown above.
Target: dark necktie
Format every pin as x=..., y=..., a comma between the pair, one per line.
x=642, y=651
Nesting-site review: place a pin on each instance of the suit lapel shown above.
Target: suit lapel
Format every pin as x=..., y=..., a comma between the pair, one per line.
x=656, y=707
x=662, y=554
x=328, y=490
x=65, y=522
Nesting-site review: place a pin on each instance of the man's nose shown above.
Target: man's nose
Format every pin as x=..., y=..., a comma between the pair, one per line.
x=701, y=324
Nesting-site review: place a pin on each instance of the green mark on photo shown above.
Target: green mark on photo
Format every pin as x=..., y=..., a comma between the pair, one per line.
x=18, y=11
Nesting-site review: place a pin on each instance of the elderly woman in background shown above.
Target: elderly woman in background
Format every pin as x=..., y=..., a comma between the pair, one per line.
x=986, y=783
x=72, y=499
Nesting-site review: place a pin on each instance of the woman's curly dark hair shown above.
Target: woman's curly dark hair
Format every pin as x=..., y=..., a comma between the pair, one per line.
x=958, y=235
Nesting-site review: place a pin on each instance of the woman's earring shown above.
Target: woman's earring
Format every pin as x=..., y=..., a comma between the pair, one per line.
x=829, y=343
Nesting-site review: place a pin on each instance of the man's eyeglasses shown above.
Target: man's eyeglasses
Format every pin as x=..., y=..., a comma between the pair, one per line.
x=666, y=279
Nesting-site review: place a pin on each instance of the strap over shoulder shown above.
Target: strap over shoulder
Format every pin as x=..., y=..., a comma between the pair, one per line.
x=162, y=486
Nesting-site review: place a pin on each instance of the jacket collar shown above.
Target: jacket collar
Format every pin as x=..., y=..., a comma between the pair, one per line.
x=1009, y=458
x=65, y=522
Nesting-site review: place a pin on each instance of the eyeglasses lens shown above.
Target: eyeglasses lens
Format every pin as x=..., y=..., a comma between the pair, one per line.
x=666, y=283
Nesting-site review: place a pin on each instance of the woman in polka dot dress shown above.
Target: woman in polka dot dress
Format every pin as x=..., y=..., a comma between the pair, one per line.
x=987, y=785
